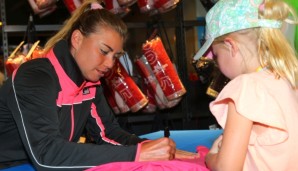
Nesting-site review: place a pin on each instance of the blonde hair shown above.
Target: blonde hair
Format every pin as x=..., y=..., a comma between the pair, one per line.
x=88, y=21
x=274, y=50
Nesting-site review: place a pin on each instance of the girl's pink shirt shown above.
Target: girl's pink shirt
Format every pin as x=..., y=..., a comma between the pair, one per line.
x=264, y=99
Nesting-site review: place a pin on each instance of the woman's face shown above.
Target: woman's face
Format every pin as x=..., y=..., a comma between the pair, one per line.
x=95, y=54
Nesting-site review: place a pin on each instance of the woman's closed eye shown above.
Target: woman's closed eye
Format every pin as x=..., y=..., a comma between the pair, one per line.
x=104, y=52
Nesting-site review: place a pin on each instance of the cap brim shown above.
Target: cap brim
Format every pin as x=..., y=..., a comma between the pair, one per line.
x=203, y=49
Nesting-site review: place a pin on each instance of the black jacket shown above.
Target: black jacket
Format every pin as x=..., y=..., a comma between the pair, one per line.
x=33, y=128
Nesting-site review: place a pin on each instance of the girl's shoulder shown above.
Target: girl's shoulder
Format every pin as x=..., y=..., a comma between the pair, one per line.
x=264, y=80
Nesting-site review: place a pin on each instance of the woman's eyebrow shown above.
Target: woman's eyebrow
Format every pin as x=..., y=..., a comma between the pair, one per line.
x=111, y=49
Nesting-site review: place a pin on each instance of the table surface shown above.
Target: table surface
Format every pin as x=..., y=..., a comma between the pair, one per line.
x=185, y=140
x=189, y=139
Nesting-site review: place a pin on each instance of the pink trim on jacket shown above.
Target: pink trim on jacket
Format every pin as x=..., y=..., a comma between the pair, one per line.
x=101, y=126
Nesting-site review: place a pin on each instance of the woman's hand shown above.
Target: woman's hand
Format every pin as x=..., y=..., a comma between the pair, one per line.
x=159, y=149
x=180, y=154
x=163, y=149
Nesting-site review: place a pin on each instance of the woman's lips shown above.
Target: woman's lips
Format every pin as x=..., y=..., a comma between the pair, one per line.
x=100, y=73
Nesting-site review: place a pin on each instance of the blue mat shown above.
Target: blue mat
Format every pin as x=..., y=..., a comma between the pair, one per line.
x=188, y=139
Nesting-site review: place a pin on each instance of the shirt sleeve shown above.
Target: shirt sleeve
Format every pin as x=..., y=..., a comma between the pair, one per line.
x=253, y=101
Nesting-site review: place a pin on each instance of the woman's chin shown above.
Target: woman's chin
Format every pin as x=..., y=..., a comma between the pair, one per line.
x=93, y=78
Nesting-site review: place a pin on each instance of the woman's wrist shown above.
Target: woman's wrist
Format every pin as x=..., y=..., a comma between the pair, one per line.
x=139, y=145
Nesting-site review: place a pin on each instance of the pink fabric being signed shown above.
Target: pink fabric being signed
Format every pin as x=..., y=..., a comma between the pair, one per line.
x=177, y=165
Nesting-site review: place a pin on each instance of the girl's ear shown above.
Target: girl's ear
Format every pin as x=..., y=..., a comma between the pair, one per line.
x=232, y=45
x=76, y=39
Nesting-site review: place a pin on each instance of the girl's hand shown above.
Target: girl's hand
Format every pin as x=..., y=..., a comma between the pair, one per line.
x=216, y=145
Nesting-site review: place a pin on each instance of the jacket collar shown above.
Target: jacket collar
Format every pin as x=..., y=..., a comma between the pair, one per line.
x=66, y=60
